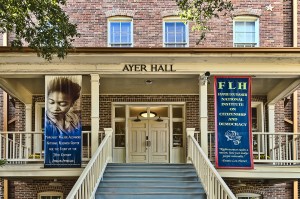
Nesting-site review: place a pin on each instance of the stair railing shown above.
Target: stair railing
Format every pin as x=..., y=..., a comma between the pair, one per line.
x=88, y=181
x=214, y=185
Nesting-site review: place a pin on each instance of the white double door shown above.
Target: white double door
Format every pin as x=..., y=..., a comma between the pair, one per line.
x=149, y=141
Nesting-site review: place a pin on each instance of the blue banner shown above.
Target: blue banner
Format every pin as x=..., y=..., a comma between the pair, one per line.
x=233, y=122
x=62, y=143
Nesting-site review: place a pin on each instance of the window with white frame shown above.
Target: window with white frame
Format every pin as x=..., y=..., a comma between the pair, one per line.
x=248, y=196
x=50, y=195
x=120, y=32
x=246, y=31
x=175, y=33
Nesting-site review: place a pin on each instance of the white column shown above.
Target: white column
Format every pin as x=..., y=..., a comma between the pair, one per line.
x=203, y=113
x=271, y=113
x=94, y=112
x=271, y=126
x=28, y=125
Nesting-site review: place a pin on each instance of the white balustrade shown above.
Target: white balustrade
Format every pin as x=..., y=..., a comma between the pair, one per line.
x=214, y=185
x=88, y=181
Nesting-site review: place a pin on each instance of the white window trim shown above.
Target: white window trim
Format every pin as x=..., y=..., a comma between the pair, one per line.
x=176, y=19
x=50, y=193
x=119, y=19
x=247, y=19
x=247, y=195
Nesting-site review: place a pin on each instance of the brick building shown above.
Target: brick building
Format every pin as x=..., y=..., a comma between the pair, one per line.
x=139, y=56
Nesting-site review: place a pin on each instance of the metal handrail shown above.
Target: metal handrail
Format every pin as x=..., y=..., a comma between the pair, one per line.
x=214, y=185
x=88, y=181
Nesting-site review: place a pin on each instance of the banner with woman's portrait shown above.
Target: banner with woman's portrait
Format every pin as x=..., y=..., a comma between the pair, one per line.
x=63, y=132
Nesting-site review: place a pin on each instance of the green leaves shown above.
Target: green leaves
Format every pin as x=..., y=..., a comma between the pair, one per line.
x=40, y=23
x=201, y=11
x=2, y=162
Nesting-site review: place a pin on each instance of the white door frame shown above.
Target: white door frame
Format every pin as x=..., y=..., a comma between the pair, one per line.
x=37, y=138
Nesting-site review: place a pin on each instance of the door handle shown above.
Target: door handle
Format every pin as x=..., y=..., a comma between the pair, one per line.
x=148, y=143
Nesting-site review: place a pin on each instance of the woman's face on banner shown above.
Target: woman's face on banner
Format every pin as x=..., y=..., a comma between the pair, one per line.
x=58, y=104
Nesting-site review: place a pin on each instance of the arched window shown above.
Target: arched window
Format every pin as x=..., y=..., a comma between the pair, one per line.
x=50, y=195
x=120, y=32
x=246, y=31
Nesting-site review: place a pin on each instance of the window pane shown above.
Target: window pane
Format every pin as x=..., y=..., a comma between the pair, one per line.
x=177, y=134
x=175, y=33
x=250, y=27
x=179, y=37
x=120, y=134
x=249, y=38
x=170, y=27
x=120, y=112
x=120, y=32
x=180, y=27
x=239, y=38
x=135, y=111
x=125, y=26
x=177, y=112
x=239, y=26
x=245, y=35
x=160, y=111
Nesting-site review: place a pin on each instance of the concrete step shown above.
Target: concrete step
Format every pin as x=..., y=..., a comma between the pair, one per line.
x=149, y=181
x=150, y=196
x=152, y=189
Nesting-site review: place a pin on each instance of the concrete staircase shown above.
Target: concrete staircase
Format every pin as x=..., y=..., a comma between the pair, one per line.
x=145, y=181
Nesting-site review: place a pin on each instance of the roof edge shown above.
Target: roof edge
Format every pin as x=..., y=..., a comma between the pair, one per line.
x=4, y=49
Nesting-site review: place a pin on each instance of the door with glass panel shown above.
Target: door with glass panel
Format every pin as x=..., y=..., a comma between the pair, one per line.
x=149, y=141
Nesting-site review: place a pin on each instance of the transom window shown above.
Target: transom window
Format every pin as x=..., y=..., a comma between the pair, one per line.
x=175, y=33
x=246, y=32
x=120, y=32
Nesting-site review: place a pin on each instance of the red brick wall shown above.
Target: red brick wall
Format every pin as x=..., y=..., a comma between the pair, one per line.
x=105, y=102
x=268, y=189
x=147, y=15
x=1, y=188
x=28, y=188
x=91, y=17
x=283, y=111
x=192, y=106
x=20, y=115
x=288, y=23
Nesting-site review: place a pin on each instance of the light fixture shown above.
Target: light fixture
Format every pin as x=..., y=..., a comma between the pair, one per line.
x=148, y=82
x=205, y=78
x=239, y=184
x=55, y=183
x=145, y=114
x=159, y=119
x=137, y=119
